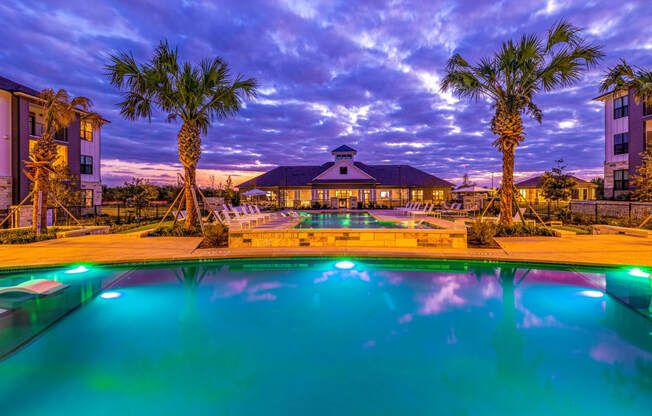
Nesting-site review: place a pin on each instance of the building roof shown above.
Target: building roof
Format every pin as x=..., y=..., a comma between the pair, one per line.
x=472, y=189
x=536, y=182
x=344, y=148
x=384, y=175
x=12, y=86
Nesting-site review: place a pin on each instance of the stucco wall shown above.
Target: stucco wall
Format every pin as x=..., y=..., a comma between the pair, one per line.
x=5, y=134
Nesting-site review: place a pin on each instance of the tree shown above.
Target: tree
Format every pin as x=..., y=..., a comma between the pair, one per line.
x=139, y=193
x=64, y=186
x=511, y=78
x=196, y=94
x=599, y=191
x=623, y=78
x=642, y=179
x=59, y=112
x=557, y=185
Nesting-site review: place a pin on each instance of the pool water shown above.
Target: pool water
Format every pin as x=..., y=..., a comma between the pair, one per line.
x=352, y=220
x=327, y=336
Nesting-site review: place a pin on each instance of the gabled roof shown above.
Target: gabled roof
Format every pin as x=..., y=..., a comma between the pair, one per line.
x=536, y=181
x=344, y=148
x=12, y=86
x=385, y=175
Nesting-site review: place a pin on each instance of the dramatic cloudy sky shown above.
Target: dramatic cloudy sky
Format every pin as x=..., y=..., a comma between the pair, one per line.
x=362, y=73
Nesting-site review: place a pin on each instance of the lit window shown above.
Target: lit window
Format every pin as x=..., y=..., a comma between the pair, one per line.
x=86, y=132
x=87, y=197
x=384, y=194
x=438, y=195
x=417, y=194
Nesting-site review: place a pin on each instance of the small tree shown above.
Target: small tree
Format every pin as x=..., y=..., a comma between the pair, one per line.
x=139, y=193
x=556, y=185
x=64, y=186
x=642, y=179
x=599, y=191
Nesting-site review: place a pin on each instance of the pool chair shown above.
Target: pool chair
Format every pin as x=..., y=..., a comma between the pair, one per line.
x=427, y=209
x=454, y=209
x=408, y=207
x=257, y=210
x=253, y=214
x=244, y=214
x=233, y=223
x=10, y=295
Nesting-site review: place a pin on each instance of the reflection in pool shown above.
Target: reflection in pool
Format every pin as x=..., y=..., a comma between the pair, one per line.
x=287, y=337
x=319, y=220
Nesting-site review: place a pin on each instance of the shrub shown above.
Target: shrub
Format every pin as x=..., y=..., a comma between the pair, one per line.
x=177, y=230
x=482, y=233
x=523, y=230
x=26, y=236
x=216, y=235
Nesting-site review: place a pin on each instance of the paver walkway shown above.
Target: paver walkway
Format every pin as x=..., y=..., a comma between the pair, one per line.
x=120, y=248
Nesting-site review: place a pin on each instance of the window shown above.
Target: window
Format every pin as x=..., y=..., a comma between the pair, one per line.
x=647, y=108
x=87, y=198
x=86, y=165
x=621, y=143
x=343, y=170
x=417, y=194
x=61, y=135
x=32, y=124
x=621, y=107
x=384, y=194
x=438, y=195
x=340, y=157
x=621, y=180
x=86, y=132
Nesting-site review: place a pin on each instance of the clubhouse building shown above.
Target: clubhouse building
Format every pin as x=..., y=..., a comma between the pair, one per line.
x=347, y=183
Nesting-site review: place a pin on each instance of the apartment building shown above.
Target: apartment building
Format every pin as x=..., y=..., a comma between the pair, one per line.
x=21, y=123
x=628, y=130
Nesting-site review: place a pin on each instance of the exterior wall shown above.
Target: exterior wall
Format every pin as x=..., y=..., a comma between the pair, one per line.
x=392, y=238
x=353, y=172
x=5, y=193
x=92, y=149
x=609, y=168
x=19, y=147
x=535, y=194
x=97, y=190
x=613, y=127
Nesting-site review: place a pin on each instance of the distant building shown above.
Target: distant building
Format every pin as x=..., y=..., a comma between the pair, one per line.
x=531, y=189
x=628, y=129
x=345, y=183
x=21, y=123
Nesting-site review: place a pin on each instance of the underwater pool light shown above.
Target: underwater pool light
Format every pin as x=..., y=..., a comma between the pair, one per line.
x=638, y=273
x=110, y=295
x=591, y=293
x=345, y=265
x=78, y=269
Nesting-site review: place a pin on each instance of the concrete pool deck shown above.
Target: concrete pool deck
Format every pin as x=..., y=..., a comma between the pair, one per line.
x=593, y=250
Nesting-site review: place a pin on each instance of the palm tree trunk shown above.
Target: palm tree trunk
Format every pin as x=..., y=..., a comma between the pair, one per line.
x=189, y=142
x=41, y=182
x=507, y=188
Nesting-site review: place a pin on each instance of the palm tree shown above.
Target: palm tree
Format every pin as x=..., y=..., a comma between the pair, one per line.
x=60, y=111
x=623, y=78
x=195, y=94
x=511, y=78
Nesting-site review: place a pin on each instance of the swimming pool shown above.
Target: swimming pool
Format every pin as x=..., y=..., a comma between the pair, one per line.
x=316, y=220
x=326, y=336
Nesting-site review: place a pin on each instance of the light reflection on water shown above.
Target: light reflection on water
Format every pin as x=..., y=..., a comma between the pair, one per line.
x=313, y=339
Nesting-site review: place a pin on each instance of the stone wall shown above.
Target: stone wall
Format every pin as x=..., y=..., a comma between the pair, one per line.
x=609, y=168
x=5, y=193
x=386, y=238
x=613, y=208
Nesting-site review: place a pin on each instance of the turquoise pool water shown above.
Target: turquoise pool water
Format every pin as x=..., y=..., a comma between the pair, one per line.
x=351, y=220
x=322, y=337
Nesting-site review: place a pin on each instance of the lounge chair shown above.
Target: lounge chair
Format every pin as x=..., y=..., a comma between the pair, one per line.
x=234, y=223
x=250, y=212
x=427, y=209
x=409, y=206
x=10, y=296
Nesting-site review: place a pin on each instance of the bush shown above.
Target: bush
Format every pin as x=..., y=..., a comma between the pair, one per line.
x=482, y=233
x=176, y=230
x=26, y=236
x=523, y=230
x=216, y=235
